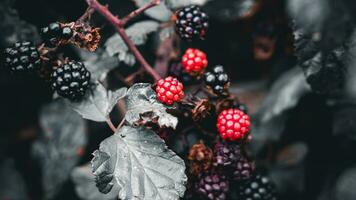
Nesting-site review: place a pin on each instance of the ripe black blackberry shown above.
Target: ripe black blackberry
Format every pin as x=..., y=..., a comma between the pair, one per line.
x=22, y=57
x=212, y=186
x=191, y=23
x=71, y=80
x=56, y=33
x=258, y=187
x=217, y=80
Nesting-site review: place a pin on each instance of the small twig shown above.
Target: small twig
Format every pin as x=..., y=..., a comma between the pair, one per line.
x=164, y=54
x=111, y=125
x=86, y=15
x=196, y=92
x=131, y=78
x=121, y=123
x=116, y=22
x=139, y=11
x=122, y=78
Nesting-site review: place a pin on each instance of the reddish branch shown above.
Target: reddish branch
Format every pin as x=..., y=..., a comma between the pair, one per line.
x=118, y=24
x=139, y=11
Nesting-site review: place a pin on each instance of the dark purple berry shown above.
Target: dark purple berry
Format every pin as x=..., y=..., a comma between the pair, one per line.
x=71, y=80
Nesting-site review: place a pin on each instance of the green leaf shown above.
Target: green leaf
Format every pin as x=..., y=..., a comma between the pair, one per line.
x=137, y=161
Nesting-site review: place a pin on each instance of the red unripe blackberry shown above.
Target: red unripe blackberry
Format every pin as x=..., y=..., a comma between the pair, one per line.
x=191, y=23
x=194, y=61
x=22, y=57
x=71, y=80
x=169, y=90
x=233, y=124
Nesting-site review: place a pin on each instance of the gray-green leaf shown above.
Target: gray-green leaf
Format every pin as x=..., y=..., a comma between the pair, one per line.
x=142, y=106
x=159, y=12
x=175, y=4
x=85, y=187
x=138, y=33
x=63, y=133
x=99, y=64
x=137, y=161
x=98, y=103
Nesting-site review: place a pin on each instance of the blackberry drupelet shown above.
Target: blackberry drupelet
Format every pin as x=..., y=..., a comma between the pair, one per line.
x=212, y=186
x=22, y=57
x=56, y=33
x=258, y=187
x=191, y=23
x=71, y=80
x=217, y=80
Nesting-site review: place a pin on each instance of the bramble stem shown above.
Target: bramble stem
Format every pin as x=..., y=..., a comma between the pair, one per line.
x=121, y=124
x=139, y=11
x=111, y=125
x=117, y=23
x=86, y=15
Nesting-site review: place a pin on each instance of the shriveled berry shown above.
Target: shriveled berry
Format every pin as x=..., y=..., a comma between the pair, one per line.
x=169, y=90
x=194, y=61
x=233, y=124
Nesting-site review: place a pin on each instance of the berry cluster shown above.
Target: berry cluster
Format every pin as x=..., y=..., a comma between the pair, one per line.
x=194, y=61
x=22, y=57
x=233, y=124
x=56, y=33
x=169, y=90
x=217, y=80
x=191, y=23
x=71, y=80
x=229, y=163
